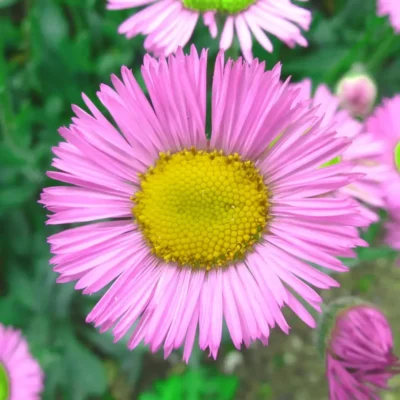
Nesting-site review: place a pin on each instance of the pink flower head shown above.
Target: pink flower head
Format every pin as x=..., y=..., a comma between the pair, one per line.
x=20, y=375
x=392, y=226
x=357, y=94
x=193, y=231
x=359, y=357
x=385, y=125
x=169, y=24
x=363, y=153
x=392, y=9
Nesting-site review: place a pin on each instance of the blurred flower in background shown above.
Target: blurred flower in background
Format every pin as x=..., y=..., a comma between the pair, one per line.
x=20, y=375
x=392, y=226
x=384, y=124
x=363, y=153
x=169, y=24
x=359, y=351
x=203, y=230
x=390, y=8
x=357, y=92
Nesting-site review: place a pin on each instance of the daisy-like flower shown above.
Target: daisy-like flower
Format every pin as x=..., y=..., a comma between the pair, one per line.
x=390, y=8
x=359, y=354
x=364, y=152
x=385, y=125
x=168, y=24
x=202, y=230
x=20, y=375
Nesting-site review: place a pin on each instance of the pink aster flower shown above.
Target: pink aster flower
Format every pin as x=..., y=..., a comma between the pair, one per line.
x=392, y=9
x=363, y=153
x=168, y=24
x=20, y=375
x=192, y=231
x=385, y=125
x=359, y=357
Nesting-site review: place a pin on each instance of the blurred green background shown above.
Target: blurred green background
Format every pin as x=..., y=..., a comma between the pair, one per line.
x=50, y=52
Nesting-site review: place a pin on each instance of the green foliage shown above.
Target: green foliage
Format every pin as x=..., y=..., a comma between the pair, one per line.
x=50, y=52
x=195, y=384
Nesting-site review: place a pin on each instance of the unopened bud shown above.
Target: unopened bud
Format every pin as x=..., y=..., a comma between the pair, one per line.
x=358, y=347
x=357, y=93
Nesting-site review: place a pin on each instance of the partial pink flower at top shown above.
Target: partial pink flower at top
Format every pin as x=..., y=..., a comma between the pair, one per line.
x=357, y=94
x=359, y=354
x=169, y=24
x=20, y=375
x=191, y=231
x=364, y=151
x=392, y=9
x=385, y=125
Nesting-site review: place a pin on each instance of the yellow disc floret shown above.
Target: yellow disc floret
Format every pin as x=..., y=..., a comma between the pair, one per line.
x=202, y=209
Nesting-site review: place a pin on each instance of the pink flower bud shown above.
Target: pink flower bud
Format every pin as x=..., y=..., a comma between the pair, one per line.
x=357, y=94
x=359, y=353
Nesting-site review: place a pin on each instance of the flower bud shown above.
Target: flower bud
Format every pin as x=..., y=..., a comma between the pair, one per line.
x=358, y=350
x=357, y=93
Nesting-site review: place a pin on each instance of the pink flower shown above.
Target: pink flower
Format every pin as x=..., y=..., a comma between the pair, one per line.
x=363, y=153
x=359, y=356
x=192, y=231
x=392, y=226
x=392, y=9
x=20, y=375
x=357, y=94
x=385, y=125
x=169, y=24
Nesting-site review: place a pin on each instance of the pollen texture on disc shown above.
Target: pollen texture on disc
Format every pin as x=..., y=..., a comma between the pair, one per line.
x=201, y=209
x=222, y=6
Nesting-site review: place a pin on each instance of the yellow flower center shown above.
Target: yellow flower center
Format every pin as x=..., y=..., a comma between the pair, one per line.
x=222, y=6
x=4, y=383
x=201, y=209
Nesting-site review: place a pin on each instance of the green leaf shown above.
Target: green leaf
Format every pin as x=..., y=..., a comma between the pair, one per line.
x=196, y=384
x=21, y=284
x=375, y=253
x=11, y=312
x=86, y=372
x=14, y=196
x=9, y=158
x=53, y=24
